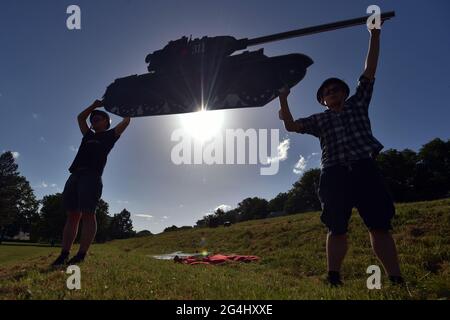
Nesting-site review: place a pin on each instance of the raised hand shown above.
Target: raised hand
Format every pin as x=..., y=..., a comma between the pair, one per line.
x=97, y=104
x=284, y=92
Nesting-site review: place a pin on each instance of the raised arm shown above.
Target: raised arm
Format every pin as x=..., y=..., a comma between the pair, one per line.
x=120, y=128
x=82, y=117
x=285, y=114
x=372, y=56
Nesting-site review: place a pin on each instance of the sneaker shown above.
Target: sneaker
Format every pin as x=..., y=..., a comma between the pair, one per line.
x=78, y=258
x=334, y=279
x=397, y=280
x=61, y=260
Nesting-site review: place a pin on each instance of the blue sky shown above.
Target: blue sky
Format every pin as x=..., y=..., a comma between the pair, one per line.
x=48, y=74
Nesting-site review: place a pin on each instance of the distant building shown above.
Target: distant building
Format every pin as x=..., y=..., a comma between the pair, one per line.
x=22, y=236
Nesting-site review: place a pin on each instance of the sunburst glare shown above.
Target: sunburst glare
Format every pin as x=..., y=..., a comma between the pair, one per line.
x=203, y=125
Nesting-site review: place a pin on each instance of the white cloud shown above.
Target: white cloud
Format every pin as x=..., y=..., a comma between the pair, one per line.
x=44, y=185
x=282, y=149
x=303, y=162
x=35, y=115
x=224, y=207
x=165, y=217
x=72, y=148
x=42, y=139
x=123, y=202
x=146, y=216
x=205, y=214
x=300, y=166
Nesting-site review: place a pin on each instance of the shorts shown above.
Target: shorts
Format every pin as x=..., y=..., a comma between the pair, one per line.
x=82, y=191
x=361, y=185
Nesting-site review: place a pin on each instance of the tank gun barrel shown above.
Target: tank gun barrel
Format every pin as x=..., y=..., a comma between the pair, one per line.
x=244, y=43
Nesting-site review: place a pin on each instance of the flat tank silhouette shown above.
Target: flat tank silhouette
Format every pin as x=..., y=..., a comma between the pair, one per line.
x=189, y=75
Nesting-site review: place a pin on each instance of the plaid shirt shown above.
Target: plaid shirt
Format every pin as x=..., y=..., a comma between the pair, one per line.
x=347, y=135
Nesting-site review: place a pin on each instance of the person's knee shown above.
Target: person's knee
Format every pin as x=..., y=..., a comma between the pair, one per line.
x=88, y=217
x=74, y=216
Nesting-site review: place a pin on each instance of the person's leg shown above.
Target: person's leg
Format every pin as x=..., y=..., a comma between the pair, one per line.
x=377, y=209
x=336, y=251
x=89, y=229
x=71, y=205
x=69, y=235
x=70, y=230
x=384, y=248
x=89, y=195
x=336, y=211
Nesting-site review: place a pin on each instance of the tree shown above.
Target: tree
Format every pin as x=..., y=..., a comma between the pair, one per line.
x=52, y=217
x=399, y=169
x=8, y=191
x=175, y=228
x=201, y=223
x=144, y=233
x=253, y=208
x=219, y=217
x=231, y=215
x=212, y=221
x=121, y=226
x=277, y=203
x=171, y=229
x=433, y=171
x=27, y=216
x=18, y=204
x=303, y=196
x=103, y=222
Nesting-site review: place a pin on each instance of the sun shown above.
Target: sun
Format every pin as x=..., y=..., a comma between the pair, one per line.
x=202, y=125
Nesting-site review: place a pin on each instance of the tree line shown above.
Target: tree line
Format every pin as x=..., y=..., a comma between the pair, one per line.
x=44, y=219
x=409, y=175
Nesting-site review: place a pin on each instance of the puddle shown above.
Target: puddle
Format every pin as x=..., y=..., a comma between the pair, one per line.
x=180, y=254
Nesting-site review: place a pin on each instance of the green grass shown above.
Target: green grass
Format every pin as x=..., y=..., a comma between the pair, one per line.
x=15, y=252
x=293, y=264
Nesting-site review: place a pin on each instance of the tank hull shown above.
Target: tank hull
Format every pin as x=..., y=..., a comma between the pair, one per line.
x=247, y=80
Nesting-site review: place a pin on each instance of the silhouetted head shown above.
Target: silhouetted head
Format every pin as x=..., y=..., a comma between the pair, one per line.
x=100, y=120
x=332, y=93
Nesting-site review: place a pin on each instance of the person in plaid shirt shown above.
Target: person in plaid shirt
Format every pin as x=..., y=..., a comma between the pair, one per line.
x=349, y=177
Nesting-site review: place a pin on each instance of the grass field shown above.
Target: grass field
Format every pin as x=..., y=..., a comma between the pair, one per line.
x=11, y=253
x=293, y=264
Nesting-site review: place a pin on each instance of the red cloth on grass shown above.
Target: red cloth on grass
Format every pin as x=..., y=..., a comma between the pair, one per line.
x=216, y=259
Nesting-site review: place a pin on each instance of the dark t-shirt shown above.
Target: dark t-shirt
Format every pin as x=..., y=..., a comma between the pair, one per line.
x=93, y=151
